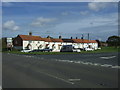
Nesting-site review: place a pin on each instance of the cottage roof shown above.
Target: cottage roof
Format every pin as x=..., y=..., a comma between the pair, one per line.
x=93, y=41
x=46, y=39
x=57, y=40
x=77, y=40
x=83, y=41
x=68, y=40
x=38, y=38
x=30, y=37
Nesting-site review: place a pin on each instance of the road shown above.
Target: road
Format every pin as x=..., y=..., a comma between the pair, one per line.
x=60, y=71
x=0, y=70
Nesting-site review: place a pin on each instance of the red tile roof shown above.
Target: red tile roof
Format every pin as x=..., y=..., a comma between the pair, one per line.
x=46, y=39
x=93, y=41
x=77, y=40
x=29, y=37
x=83, y=41
x=57, y=40
x=38, y=38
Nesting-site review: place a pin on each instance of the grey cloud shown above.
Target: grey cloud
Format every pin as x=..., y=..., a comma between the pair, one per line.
x=10, y=25
x=41, y=21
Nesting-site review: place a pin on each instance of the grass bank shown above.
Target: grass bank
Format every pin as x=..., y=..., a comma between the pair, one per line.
x=102, y=50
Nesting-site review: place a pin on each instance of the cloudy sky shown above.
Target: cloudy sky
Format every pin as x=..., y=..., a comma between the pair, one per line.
x=99, y=19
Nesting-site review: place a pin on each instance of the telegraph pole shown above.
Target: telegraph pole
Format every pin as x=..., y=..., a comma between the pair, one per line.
x=82, y=41
x=88, y=36
x=88, y=40
x=82, y=36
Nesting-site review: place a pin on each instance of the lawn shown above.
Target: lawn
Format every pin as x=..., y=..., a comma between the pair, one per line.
x=102, y=50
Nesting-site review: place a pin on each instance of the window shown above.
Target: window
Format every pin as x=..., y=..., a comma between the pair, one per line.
x=41, y=46
x=30, y=41
x=58, y=47
x=64, y=47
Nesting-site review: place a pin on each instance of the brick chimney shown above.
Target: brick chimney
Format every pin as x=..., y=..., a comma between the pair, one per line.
x=30, y=33
x=60, y=37
x=48, y=36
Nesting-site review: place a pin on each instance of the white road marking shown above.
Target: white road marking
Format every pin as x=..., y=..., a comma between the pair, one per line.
x=0, y=88
x=81, y=62
x=108, y=57
x=89, y=63
x=56, y=77
x=74, y=79
x=116, y=67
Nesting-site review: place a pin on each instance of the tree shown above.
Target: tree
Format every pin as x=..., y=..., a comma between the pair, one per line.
x=113, y=41
x=4, y=44
x=99, y=44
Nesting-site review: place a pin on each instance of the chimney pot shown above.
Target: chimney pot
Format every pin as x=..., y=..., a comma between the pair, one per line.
x=60, y=37
x=48, y=36
x=30, y=33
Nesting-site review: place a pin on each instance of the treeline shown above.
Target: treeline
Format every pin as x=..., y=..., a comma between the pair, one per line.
x=113, y=41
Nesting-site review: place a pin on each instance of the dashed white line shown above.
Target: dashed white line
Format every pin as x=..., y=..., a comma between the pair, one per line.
x=57, y=77
x=90, y=63
x=108, y=57
x=81, y=62
x=0, y=88
x=116, y=67
x=74, y=79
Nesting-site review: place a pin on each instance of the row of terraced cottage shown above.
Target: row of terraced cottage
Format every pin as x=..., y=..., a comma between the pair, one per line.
x=36, y=42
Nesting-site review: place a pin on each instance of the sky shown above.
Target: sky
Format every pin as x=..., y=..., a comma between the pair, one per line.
x=68, y=19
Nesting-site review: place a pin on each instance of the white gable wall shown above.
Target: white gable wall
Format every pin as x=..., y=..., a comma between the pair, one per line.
x=42, y=45
x=33, y=44
x=54, y=45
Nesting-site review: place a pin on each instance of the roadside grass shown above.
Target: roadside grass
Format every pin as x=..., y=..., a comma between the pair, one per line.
x=102, y=50
x=41, y=53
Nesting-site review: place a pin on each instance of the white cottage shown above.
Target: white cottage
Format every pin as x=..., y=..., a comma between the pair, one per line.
x=28, y=42
x=37, y=42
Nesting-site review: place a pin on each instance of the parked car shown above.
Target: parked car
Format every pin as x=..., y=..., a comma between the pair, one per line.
x=76, y=50
x=89, y=49
x=35, y=50
x=46, y=50
x=82, y=49
x=99, y=48
x=26, y=50
x=69, y=48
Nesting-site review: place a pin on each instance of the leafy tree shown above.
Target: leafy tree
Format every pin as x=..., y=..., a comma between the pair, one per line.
x=113, y=41
x=4, y=44
x=99, y=44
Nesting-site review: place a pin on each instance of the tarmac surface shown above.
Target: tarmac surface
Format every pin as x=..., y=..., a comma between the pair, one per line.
x=60, y=71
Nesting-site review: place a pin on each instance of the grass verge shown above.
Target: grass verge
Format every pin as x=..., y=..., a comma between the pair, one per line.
x=102, y=50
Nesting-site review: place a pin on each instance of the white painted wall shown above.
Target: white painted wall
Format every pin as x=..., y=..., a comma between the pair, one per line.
x=33, y=44
x=54, y=45
x=36, y=44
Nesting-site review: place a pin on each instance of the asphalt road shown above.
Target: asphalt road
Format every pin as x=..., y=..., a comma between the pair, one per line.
x=59, y=71
x=0, y=71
